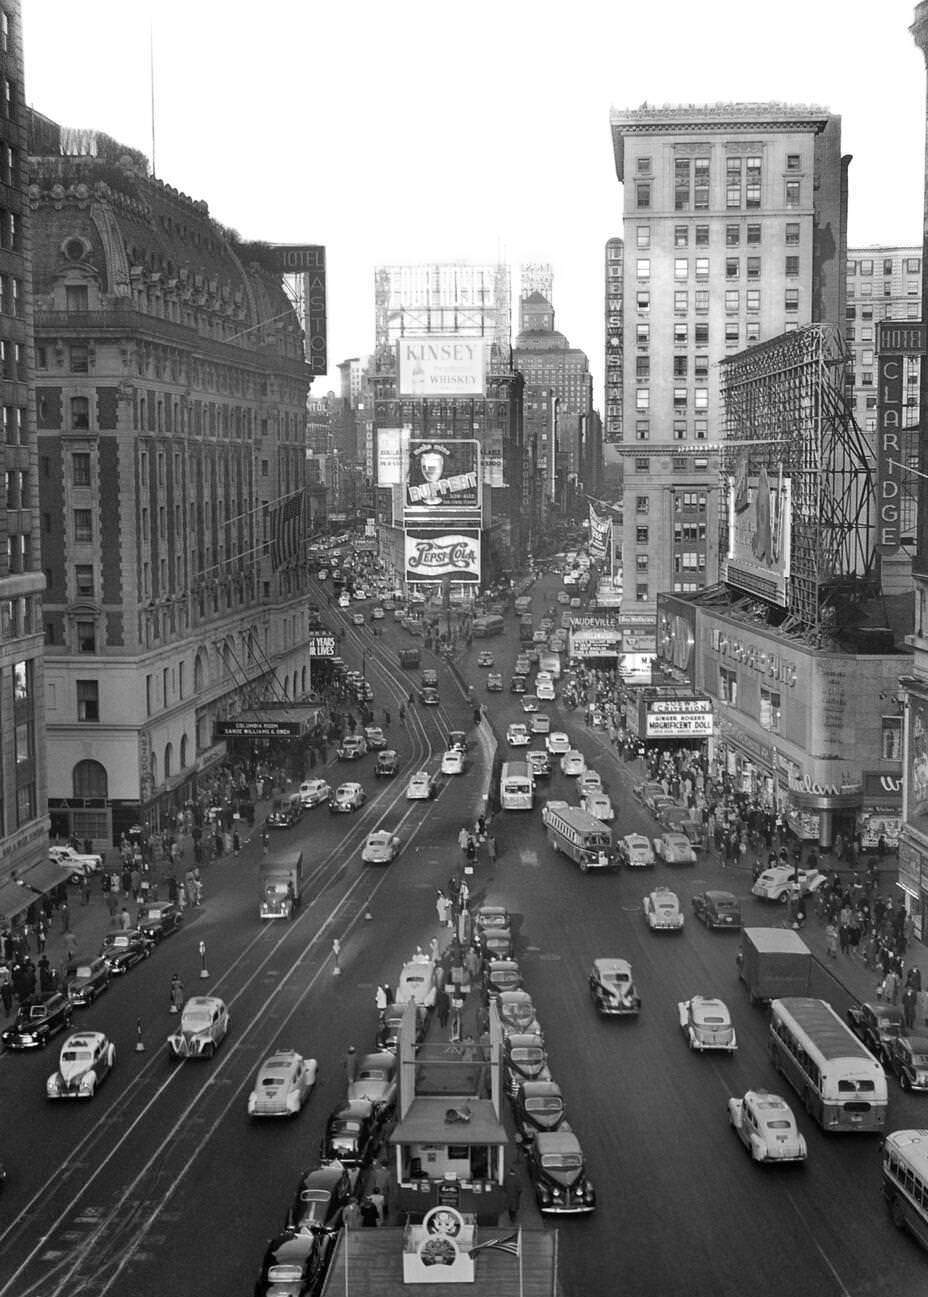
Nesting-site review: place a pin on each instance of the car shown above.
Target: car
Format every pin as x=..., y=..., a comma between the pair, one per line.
x=540, y=763
x=429, y=697
x=204, y=1025
x=351, y=748
x=563, y=597
x=876, y=1025
x=417, y=983
x=90, y=978
x=517, y=735
x=376, y=1080
x=500, y=975
x=380, y=848
x=344, y=600
x=518, y=685
x=717, y=909
x=494, y=683
x=422, y=787
x=158, y=919
x=285, y=812
x=573, y=762
x=529, y=703
x=352, y=1134
x=545, y=691
x=706, y=1024
x=766, y=1127
x=525, y=1059
x=648, y=792
x=323, y=574
x=85, y=1060
x=295, y=1263
x=907, y=1058
x=320, y=1197
x=540, y=723
x=283, y=1083
x=375, y=738
x=555, y=1164
x=81, y=863
x=387, y=763
x=612, y=988
x=313, y=792
x=589, y=781
x=38, y=1018
x=122, y=950
x=517, y=1014
x=452, y=762
x=538, y=1105
x=389, y=1023
x=491, y=916
x=662, y=910
x=576, y=602
x=634, y=851
x=523, y=665
x=540, y=637
x=783, y=882
x=357, y=619
x=599, y=805
x=674, y=849
x=484, y=658
x=429, y=678
x=377, y=613
x=457, y=739
x=346, y=798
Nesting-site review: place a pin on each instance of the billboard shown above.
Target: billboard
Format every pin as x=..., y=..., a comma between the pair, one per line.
x=916, y=783
x=442, y=481
x=435, y=555
x=441, y=365
x=389, y=456
x=759, y=526
x=676, y=635
x=321, y=646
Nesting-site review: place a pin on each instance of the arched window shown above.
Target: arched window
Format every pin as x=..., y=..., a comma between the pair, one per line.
x=199, y=671
x=88, y=779
x=303, y=681
x=168, y=760
x=154, y=769
x=183, y=752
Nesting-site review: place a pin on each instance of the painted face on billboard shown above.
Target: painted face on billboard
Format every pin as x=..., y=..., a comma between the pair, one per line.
x=432, y=465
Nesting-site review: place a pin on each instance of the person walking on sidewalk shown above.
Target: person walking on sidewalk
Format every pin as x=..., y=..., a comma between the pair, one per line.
x=512, y=1187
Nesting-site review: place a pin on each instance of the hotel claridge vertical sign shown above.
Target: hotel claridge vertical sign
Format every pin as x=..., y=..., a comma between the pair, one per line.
x=894, y=341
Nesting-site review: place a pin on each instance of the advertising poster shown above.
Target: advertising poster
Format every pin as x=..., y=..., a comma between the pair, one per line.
x=676, y=635
x=442, y=480
x=435, y=555
x=389, y=456
x=917, y=782
x=441, y=366
x=759, y=526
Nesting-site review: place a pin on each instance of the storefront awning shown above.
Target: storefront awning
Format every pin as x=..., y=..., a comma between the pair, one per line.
x=45, y=876
x=13, y=900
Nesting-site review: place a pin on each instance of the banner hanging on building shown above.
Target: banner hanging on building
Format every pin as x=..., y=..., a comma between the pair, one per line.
x=435, y=555
x=288, y=530
x=600, y=534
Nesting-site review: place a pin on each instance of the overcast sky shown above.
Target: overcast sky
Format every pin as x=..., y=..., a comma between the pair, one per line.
x=420, y=130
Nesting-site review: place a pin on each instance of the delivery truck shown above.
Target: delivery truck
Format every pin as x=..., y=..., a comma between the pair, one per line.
x=774, y=962
x=280, y=882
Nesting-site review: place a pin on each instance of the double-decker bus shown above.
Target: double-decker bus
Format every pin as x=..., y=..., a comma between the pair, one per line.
x=905, y=1181
x=840, y=1082
x=516, y=786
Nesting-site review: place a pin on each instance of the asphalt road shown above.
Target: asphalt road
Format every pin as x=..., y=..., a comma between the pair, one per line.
x=162, y=1183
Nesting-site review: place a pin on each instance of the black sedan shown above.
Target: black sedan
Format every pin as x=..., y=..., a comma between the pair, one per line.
x=876, y=1025
x=907, y=1059
x=303, y=1256
x=91, y=978
x=320, y=1198
x=352, y=1134
x=38, y=1019
x=123, y=950
x=717, y=909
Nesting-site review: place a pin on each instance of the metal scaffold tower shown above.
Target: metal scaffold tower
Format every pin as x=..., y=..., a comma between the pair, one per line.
x=786, y=411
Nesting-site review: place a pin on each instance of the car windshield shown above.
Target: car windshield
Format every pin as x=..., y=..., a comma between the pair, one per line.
x=545, y=1103
x=709, y=1021
x=76, y=1056
x=527, y=1054
x=346, y=1126
x=411, y=980
x=373, y=1074
x=920, y=1060
x=562, y=1161
x=616, y=979
x=314, y=1196
x=38, y=1011
x=276, y=889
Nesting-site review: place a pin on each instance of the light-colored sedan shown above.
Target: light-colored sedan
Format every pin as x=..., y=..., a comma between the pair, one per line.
x=573, y=762
x=380, y=848
x=421, y=786
x=204, y=1024
x=780, y=882
x=346, y=798
x=283, y=1084
x=376, y=1080
x=357, y=619
x=590, y=781
x=85, y=1060
x=662, y=910
x=599, y=805
x=484, y=658
x=557, y=743
x=540, y=723
x=706, y=1024
x=517, y=735
x=545, y=691
x=635, y=851
x=675, y=849
x=452, y=762
x=313, y=792
x=766, y=1127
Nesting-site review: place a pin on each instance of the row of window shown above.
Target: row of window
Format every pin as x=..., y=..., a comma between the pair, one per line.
x=681, y=367
x=702, y=300
x=752, y=234
x=702, y=270
x=700, y=334
x=681, y=398
x=911, y=266
x=740, y=191
x=913, y=288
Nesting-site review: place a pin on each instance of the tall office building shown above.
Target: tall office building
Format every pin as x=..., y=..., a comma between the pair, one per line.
x=734, y=226
x=885, y=283
x=171, y=389
x=23, y=819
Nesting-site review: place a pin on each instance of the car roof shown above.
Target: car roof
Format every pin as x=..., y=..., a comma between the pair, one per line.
x=204, y=1002
x=380, y=1058
x=343, y=788
x=609, y=965
x=557, y=1141
x=707, y=1003
x=717, y=895
x=84, y=1040
x=636, y=840
x=535, y=1088
x=281, y=1058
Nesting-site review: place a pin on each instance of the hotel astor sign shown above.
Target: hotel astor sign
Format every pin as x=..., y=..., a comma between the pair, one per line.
x=894, y=342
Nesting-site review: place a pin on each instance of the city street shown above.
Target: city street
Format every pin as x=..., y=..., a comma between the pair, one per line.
x=163, y=1178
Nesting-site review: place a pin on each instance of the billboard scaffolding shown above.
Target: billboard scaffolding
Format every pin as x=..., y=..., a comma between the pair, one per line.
x=787, y=420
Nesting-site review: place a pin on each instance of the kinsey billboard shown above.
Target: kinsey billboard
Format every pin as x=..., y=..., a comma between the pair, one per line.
x=435, y=555
x=442, y=481
x=441, y=365
x=759, y=525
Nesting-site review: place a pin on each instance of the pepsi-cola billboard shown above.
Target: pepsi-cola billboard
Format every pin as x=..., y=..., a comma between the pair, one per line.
x=437, y=555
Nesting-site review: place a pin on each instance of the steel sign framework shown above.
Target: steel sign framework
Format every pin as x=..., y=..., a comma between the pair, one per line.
x=785, y=409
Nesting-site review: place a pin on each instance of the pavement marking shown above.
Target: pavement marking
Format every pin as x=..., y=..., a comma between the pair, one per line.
x=529, y=857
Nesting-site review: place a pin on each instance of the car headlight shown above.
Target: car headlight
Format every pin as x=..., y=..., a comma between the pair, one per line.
x=52, y=1085
x=86, y=1082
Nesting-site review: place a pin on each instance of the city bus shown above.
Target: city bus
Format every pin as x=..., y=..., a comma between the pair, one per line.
x=491, y=624
x=526, y=629
x=516, y=786
x=840, y=1082
x=579, y=835
x=905, y=1181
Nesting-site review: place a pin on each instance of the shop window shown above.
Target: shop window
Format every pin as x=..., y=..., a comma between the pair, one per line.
x=728, y=686
x=770, y=710
x=891, y=738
